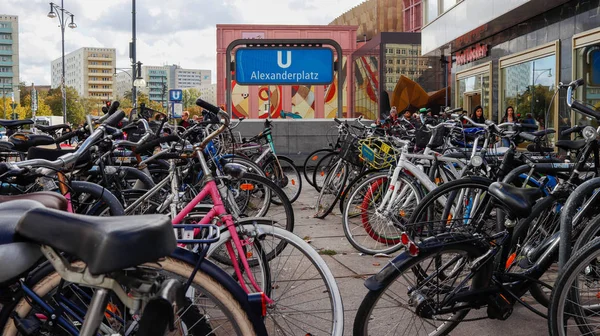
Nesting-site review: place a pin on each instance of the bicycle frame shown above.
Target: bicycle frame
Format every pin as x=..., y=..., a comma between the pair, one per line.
x=218, y=210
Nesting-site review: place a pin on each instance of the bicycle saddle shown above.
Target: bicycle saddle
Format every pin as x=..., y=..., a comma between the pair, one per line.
x=49, y=199
x=52, y=128
x=16, y=256
x=105, y=244
x=519, y=201
x=24, y=141
x=15, y=123
x=570, y=144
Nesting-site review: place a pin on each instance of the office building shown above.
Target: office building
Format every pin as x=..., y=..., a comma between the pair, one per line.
x=123, y=83
x=9, y=56
x=88, y=70
x=516, y=53
x=208, y=92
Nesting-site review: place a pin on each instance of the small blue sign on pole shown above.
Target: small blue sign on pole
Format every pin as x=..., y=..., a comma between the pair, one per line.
x=284, y=66
x=176, y=95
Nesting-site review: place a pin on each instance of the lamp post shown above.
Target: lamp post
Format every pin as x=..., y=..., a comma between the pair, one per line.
x=132, y=55
x=62, y=19
x=139, y=81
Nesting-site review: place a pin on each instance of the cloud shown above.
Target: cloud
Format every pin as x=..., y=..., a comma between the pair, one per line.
x=168, y=32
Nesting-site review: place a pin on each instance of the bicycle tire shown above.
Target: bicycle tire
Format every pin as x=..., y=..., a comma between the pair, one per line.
x=213, y=286
x=423, y=212
x=313, y=157
x=563, y=295
x=322, y=168
x=364, y=316
x=352, y=184
x=520, y=234
x=284, y=181
x=331, y=174
x=332, y=290
x=376, y=180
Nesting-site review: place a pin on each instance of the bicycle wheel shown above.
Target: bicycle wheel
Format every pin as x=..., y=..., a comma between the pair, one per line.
x=306, y=299
x=333, y=186
x=322, y=168
x=410, y=293
x=575, y=294
x=212, y=306
x=310, y=164
x=531, y=238
x=288, y=178
x=455, y=205
x=352, y=184
x=373, y=230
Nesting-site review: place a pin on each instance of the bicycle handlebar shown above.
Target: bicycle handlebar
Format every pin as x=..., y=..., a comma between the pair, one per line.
x=69, y=158
x=577, y=105
x=217, y=111
x=571, y=130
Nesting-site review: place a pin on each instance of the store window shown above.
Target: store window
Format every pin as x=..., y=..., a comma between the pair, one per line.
x=586, y=65
x=528, y=82
x=473, y=89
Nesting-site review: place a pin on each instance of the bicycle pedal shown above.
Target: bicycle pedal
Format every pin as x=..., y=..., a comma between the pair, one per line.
x=499, y=307
x=27, y=326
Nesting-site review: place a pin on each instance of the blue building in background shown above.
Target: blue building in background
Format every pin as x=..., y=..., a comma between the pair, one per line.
x=9, y=57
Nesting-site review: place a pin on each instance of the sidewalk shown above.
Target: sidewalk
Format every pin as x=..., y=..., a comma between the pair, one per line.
x=351, y=269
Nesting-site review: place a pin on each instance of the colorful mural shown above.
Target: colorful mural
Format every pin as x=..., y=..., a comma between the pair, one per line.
x=272, y=109
x=366, y=86
x=303, y=101
x=239, y=98
x=331, y=94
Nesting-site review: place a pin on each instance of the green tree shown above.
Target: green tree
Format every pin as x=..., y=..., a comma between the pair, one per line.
x=75, y=110
x=189, y=97
x=142, y=98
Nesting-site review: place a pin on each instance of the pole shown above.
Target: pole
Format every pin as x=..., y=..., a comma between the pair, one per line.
x=62, y=84
x=4, y=99
x=133, y=56
x=532, y=89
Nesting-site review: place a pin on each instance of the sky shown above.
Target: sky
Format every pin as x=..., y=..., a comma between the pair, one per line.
x=179, y=32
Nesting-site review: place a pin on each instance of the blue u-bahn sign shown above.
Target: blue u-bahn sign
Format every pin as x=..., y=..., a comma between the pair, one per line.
x=284, y=66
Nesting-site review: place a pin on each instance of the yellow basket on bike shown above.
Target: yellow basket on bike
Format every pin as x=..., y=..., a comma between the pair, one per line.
x=377, y=152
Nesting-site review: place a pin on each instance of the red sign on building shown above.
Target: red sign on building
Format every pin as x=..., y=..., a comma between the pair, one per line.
x=472, y=54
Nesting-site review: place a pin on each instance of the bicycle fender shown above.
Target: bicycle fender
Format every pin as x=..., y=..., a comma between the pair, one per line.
x=428, y=245
x=227, y=281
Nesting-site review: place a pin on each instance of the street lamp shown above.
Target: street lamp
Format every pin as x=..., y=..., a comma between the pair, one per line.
x=62, y=19
x=535, y=80
x=139, y=82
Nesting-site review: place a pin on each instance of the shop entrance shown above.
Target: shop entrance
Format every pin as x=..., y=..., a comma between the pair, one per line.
x=471, y=99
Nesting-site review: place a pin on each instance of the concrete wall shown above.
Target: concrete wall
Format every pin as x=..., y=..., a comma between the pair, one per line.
x=294, y=138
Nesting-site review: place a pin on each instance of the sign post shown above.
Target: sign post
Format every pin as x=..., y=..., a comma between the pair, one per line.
x=175, y=98
x=285, y=62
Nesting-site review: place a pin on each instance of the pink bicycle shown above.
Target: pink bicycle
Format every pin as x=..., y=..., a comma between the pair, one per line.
x=299, y=292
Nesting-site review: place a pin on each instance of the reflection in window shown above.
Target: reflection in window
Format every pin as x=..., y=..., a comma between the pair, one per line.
x=474, y=91
x=529, y=88
x=587, y=63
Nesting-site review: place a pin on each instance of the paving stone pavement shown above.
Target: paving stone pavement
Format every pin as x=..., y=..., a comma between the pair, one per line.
x=350, y=269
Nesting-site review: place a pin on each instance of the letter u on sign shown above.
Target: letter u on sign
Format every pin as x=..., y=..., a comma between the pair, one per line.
x=288, y=60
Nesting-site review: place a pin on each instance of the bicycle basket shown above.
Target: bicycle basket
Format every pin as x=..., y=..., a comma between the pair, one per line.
x=349, y=151
x=437, y=137
x=422, y=137
x=377, y=152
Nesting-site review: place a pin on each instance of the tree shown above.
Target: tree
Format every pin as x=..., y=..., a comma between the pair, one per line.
x=142, y=98
x=75, y=110
x=189, y=97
